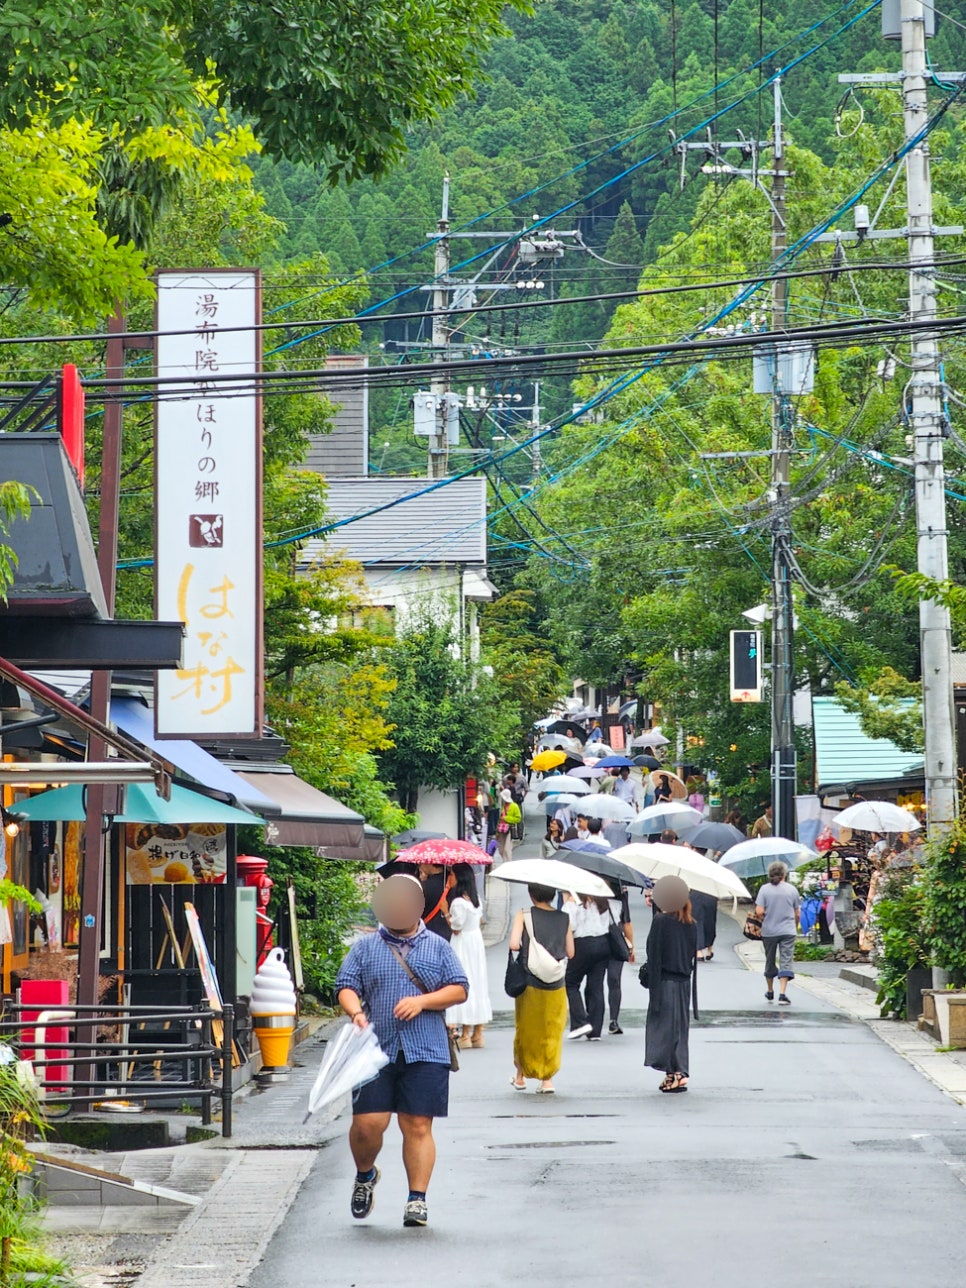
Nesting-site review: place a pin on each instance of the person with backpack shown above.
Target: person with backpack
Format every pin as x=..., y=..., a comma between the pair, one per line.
x=545, y=942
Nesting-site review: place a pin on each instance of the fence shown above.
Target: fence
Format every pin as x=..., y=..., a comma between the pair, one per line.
x=148, y=1055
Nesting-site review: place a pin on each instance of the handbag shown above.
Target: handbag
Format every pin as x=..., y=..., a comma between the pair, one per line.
x=503, y=827
x=515, y=979
x=620, y=949
x=454, y=1058
x=644, y=976
x=752, y=928
x=540, y=963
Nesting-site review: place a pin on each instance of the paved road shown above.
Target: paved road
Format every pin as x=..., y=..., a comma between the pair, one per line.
x=806, y=1152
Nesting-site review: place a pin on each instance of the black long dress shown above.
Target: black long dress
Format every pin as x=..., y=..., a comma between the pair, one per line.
x=671, y=948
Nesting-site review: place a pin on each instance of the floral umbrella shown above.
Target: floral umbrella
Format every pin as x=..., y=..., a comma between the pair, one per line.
x=444, y=852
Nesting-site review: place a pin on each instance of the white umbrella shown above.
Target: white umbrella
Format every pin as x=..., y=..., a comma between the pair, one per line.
x=554, y=873
x=751, y=858
x=555, y=741
x=586, y=771
x=353, y=1057
x=674, y=814
x=558, y=783
x=657, y=860
x=876, y=816
x=650, y=738
x=602, y=806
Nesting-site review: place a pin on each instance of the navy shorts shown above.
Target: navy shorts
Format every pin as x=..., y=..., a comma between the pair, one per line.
x=420, y=1089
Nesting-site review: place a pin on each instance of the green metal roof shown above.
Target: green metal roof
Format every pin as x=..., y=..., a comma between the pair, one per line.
x=843, y=752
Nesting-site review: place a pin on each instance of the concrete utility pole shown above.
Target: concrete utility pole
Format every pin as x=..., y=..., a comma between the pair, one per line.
x=439, y=385
x=926, y=416
x=784, y=760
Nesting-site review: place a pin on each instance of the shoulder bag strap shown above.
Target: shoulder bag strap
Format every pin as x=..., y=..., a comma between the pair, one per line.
x=435, y=912
x=407, y=968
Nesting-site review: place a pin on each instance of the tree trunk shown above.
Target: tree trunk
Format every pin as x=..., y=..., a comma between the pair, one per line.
x=411, y=799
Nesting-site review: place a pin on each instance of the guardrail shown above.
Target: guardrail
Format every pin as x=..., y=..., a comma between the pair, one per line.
x=148, y=1055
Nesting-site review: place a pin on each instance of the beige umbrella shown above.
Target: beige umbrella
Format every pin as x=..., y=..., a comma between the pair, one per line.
x=678, y=790
x=659, y=860
x=554, y=873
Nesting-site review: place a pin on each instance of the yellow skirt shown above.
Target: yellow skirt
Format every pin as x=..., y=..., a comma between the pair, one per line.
x=541, y=1016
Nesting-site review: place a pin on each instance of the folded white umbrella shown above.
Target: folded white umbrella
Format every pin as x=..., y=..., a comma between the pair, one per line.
x=674, y=814
x=352, y=1058
x=558, y=783
x=658, y=860
x=876, y=816
x=751, y=858
x=554, y=873
x=602, y=806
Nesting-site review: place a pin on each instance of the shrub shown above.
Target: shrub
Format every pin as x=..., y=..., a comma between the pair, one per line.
x=899, y=937
x=944, y=903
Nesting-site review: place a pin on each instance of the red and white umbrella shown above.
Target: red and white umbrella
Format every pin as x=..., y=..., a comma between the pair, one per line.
x=444, y=852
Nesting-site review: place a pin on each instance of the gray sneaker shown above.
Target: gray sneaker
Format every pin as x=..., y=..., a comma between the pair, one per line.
x=415, y=1213
x=361, y=1203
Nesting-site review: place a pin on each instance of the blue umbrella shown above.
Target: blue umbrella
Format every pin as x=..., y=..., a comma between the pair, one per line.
x=614, y=762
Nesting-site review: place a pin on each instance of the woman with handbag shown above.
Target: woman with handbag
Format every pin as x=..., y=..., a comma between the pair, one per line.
x=509, y=810
x=672, y=945
x=590, y=920
x=544, y=941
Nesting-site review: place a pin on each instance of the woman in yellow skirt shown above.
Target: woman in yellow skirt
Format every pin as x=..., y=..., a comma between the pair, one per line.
x=541, y=1009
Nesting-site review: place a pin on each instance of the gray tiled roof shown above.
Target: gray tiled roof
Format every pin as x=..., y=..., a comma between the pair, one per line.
x=446, y=526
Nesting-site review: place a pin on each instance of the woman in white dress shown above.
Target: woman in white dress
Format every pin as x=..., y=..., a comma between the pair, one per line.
x=465, y=918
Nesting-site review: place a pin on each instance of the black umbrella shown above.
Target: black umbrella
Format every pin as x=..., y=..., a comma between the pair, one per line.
x=396, y=867
x=570, y=728
x=592, y=858
x=413, y=836
x=647, y=762
x=713, y=836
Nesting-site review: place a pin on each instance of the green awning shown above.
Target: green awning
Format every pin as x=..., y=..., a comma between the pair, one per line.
x=142, y=805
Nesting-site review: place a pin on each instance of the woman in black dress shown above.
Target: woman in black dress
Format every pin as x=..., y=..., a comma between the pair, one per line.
x=671, y=952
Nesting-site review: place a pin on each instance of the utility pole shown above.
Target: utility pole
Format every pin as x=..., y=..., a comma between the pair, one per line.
x=926, y=417
x=784, y=760
x=439, y=385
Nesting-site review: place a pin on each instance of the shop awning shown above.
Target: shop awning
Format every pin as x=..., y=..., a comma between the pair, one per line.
x=135, y=719
x=142, y=804
x=310, y=817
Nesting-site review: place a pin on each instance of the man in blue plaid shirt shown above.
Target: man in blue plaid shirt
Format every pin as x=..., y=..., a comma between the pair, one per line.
x=374, y=987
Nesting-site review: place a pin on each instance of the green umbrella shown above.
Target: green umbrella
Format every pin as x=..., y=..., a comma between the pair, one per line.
x=142, y=805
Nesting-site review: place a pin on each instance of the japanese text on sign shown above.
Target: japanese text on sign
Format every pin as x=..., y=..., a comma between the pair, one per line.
x=208, y=507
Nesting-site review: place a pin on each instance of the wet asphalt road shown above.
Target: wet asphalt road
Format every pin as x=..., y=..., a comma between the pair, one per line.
x=806, y=1152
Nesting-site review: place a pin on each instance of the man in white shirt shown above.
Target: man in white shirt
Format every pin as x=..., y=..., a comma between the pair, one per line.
x=624, y=788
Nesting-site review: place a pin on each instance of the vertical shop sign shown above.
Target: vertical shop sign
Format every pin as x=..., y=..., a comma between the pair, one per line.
x=208, y=515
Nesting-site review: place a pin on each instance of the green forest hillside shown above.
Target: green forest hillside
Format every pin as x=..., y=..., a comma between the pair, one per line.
x=579, y=93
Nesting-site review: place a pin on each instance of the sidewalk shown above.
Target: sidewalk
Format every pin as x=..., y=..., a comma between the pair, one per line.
x=945, y=1069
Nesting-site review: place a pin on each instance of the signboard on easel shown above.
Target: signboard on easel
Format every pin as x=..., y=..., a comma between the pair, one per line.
x=205, y=964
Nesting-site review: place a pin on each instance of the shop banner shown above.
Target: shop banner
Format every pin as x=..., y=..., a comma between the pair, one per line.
x=208, y=511
x=176, y=854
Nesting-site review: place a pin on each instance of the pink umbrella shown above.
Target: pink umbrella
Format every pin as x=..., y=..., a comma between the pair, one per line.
x=444, y=852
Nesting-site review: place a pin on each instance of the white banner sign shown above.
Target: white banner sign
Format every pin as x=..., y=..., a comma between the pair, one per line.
x=208, y=517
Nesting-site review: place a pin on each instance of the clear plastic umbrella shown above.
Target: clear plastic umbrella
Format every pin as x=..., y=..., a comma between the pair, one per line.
x=352, y=1058
x=659, y=860
x=676, y=815
x=611, y=808
x=876, y=816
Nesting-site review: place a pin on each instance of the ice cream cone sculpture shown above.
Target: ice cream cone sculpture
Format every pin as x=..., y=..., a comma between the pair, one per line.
x=272, y=1009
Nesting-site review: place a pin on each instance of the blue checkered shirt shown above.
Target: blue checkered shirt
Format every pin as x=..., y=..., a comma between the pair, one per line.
x=371, y=970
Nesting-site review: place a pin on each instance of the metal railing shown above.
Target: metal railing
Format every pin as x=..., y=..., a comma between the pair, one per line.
x=148, y=1055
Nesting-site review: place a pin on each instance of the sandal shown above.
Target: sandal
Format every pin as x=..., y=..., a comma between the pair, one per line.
x=518, y=1086
x=678, y=1083
x=668, y=1083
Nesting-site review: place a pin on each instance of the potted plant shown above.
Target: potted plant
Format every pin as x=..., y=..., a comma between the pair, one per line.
x=944, y=927
x=900, y=950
